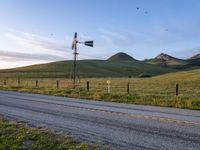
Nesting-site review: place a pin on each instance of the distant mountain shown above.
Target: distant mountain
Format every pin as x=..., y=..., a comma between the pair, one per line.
x=164, y=57
x=166, y=60
x=197, y=56
x=121, y=57
x=118, y=65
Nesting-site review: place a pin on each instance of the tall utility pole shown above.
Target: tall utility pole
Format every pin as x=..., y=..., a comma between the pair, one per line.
x=74, y=47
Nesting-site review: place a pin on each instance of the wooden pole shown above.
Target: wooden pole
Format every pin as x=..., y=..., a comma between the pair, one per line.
x=177, y=89
x=18, y=82
x=128, y=87
x=88, y=86
x=36, y=83
x=4, y=82
x=57, y=84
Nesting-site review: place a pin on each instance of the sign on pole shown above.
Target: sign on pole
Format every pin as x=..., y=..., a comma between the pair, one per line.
x=108, y=85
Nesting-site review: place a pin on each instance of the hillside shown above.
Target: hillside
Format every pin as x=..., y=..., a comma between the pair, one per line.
x=118, y=65
x=192, y=64
x=121, y=56
x=181, y=75
x=197, y=56
x=166, y=60
x=86, y=68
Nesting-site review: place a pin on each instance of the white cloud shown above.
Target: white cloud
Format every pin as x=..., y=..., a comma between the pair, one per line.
x=22, y=49
x=25, y=48
x=16, y=56
x=37, y=43
x=40, y=45
x=13, y=64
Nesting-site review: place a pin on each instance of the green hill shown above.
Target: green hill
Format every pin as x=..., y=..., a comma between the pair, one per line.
x=166, y=60
x=86, y=68
x=118, y=65
x=192, y=64
x=121, y=56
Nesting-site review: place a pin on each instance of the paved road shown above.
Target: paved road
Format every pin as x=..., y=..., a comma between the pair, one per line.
x=119, y=126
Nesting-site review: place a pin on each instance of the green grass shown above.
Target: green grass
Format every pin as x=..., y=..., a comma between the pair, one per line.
x=13, y=135
x=159, y=90
x=86, y=68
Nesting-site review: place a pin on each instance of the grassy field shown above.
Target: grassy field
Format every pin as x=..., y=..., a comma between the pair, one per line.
x=86, y=68
x=16, y=136
x=159, y=90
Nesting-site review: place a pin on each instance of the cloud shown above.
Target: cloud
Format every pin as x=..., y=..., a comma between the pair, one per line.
x=15, y=56
x=38, y=43
x=51, y=47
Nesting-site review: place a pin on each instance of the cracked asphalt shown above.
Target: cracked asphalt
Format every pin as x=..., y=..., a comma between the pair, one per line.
x=118, y=126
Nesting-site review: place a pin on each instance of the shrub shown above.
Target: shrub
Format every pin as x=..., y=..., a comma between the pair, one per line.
x=145, y=75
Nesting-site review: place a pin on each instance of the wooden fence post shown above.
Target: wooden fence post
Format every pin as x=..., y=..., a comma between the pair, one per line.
x=57, y=84
x=177, y=89
x=4, y=82
x=88, y=86
x=128, y=87
x=36, y=83
x=18, y=82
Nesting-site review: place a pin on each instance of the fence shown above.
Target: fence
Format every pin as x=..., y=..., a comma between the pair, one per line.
x=117, y=85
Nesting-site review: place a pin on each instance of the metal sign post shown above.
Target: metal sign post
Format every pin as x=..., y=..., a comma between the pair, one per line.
x=108, y=85
x=74, y=47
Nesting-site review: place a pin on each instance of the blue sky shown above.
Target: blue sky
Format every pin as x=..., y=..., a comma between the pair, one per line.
x=39, y=31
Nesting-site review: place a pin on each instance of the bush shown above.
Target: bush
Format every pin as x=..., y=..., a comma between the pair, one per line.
x=145, y=75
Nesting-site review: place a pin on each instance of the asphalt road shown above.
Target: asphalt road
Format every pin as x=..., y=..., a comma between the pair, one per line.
x=119, y=126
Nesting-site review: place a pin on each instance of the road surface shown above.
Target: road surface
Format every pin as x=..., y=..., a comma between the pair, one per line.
x=119, y=126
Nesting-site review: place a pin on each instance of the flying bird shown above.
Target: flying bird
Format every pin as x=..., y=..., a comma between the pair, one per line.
x=137, y=8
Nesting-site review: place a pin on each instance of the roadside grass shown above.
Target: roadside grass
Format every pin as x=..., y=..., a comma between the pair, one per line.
x=17, y=136
x=157, y=91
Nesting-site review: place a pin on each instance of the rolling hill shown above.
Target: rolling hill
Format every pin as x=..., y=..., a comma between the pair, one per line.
x=121, y=56
x=166, y=60
x=119, y=65
x=192, y=63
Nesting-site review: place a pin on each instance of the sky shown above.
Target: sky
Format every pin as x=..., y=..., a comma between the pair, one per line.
x=40, y=31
